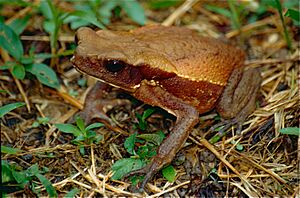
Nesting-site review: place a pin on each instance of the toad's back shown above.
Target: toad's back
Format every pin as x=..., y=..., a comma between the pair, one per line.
x=175, y=49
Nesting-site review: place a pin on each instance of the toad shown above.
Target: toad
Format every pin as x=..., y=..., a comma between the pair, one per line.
x=175, y=69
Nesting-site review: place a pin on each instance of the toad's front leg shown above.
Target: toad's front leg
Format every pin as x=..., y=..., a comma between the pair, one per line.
x=187, y=118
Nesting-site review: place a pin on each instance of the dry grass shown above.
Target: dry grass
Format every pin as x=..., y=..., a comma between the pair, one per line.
x=267, y=166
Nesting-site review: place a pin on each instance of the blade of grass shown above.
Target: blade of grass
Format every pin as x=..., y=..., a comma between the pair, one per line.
x=286, y=35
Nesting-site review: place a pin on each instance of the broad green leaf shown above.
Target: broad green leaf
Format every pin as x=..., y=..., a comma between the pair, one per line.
x=20, y=177
x=91, y=134
x=290, y=131
x=72, y=193
x=83, y=18
x=129, y=144
x=153, y=138
x=47, y=9
x=6, y=172
x=68, y=128
x=10, y=150
x=124, y=166
x=106, y=9
x=134, y=10
x=293, y=14
x=147, y=113
x=10, y=42
x=143, y=151
x=18, y=71
x=47, y=184
x=44, y=74
x=9, y=107
x=19, y=24
x=169, y=173
x=94, y=125
x=80, y=124
x=26, y=60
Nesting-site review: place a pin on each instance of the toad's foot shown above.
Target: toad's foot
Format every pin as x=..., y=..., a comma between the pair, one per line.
x=96, y=105
x=150, y=170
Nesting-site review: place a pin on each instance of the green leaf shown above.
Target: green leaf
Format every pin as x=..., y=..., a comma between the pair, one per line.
x=147, y=113
x=134, y=10
x=215, y=139
x=7, y=65
x=79, y=139
x=72, y=193
x=124, y=166
x=94, y=125
x=33, y=170
x=290, y=131
x=18, y=71
x=143, y=151
x=129, y=144
x=6, y=172
x=47, y=184
x=293, y=14
x=44, y=74
x=9, y=107
x=83, y=18
x=239, y=147
x=20, y=177
x=35, y=124
x=219, y=10
x=47, y=9
x=10, y=150
x=105, y=11
x=153, y=138
x=91, y=134
x=68, y=128
x=169, y=173
x=161, y=4
x=26, y=60
x=80, y=124
x=19, y=24
x=10, y=42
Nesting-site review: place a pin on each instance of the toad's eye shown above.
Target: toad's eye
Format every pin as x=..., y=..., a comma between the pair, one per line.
x=114, y=65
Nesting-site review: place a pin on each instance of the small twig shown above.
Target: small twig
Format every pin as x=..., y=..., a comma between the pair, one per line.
x=250, y=26
x=179, y=12
x=62, y=38
x=252, y=63
x=169, y=190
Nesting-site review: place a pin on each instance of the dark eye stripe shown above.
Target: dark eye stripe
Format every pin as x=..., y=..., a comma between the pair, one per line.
x=114, y=65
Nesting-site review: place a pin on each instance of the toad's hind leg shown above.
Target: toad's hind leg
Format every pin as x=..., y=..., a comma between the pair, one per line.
x=238, y=99
x=186, y=119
